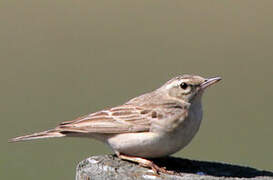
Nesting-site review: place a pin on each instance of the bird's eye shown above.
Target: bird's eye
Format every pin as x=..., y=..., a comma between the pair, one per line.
x=184, y=85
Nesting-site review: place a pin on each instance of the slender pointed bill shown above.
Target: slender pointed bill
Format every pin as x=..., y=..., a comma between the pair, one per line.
x=209, y=82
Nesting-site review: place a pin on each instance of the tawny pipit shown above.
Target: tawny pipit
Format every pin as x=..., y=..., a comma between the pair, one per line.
x=155, y=124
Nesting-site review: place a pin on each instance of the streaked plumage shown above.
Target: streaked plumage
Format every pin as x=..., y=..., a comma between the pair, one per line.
x=154, y=124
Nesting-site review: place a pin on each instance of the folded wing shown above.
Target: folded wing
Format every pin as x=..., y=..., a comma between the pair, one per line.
x=121, y=119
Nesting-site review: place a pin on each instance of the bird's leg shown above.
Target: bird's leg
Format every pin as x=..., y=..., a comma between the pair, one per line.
x=145, y=163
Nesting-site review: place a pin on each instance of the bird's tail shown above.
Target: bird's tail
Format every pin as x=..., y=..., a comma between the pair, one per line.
x=39, y=135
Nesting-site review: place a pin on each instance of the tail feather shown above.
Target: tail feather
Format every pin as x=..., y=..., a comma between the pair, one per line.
x=39, y=135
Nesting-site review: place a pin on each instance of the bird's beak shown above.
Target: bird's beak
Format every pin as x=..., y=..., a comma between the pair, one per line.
x=210, y=81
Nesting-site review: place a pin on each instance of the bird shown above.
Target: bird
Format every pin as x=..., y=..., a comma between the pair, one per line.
x=153, y=125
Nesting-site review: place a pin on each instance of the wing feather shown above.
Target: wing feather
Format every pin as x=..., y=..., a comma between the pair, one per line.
x=127, y=118
x=121, y=119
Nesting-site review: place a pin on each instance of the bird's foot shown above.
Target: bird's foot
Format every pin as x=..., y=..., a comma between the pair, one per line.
x=146, y=163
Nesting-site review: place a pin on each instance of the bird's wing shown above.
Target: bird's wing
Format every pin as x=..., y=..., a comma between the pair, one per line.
x=128, y=118
x=120, y=119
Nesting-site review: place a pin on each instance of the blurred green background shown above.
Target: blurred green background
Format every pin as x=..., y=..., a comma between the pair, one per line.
x=63, y=59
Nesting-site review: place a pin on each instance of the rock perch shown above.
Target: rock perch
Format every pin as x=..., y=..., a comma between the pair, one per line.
x=110, y=167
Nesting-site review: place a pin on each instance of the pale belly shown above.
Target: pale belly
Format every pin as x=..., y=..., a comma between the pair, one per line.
x=155, y=144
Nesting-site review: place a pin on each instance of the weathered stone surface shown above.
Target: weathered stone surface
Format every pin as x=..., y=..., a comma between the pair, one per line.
x=111, y=167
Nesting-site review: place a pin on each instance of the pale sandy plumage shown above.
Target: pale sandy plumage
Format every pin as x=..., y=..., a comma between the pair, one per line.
x=154, y=124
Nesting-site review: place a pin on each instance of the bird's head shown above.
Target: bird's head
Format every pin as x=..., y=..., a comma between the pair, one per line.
x=187, y=87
